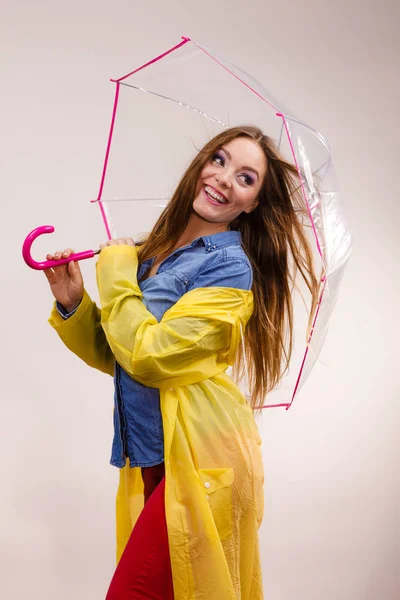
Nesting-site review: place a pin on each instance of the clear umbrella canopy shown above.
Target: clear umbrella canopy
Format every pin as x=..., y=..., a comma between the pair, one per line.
x=164, y=112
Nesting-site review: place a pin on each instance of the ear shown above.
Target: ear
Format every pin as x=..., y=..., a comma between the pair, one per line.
x=252, y=207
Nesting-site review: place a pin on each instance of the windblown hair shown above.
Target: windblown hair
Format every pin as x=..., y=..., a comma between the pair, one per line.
x=274, y=240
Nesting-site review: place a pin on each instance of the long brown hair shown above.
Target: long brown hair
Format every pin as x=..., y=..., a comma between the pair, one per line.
x=273, y=239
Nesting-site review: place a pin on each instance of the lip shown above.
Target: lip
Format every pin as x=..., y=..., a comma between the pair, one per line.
x=217, y=192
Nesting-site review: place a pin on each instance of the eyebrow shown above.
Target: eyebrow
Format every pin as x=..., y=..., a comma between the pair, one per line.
x=246, y=168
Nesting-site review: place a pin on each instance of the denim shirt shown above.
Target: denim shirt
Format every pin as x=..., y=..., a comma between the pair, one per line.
x=215, y=260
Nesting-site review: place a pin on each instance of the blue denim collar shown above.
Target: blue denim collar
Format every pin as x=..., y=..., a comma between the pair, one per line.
x=211, y=243
x=220, y=240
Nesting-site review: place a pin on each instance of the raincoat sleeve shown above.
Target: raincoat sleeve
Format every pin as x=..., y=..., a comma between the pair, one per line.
x=83, y=334
x=195, y=340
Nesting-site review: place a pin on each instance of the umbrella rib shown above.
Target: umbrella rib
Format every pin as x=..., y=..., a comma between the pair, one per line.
x=203, y=114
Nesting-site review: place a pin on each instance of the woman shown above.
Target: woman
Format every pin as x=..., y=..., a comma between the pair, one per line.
x=214, y=271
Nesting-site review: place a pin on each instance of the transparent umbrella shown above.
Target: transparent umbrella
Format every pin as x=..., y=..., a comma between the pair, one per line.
x=164, y=111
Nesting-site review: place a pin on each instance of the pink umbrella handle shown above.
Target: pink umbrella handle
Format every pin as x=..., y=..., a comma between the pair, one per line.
x=48, y=264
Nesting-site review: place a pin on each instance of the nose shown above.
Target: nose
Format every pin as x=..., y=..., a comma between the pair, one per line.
x=223, y=178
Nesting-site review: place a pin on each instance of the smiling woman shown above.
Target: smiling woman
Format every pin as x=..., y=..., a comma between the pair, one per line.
x=173, y=313
x=227, y=182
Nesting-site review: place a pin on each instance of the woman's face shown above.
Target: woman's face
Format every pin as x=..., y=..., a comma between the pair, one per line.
x=230, y=182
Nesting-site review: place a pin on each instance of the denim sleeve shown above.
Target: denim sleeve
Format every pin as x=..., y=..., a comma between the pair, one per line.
x=63, y=312
x=233, y=272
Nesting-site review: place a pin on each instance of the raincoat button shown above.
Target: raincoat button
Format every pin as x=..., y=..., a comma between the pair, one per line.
x=207, y=485
x=207, y=497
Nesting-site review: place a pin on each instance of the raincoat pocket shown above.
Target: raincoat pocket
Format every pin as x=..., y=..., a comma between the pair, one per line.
x=217, y=485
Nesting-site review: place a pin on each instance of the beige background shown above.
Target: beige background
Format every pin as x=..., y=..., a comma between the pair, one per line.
x=331, y=523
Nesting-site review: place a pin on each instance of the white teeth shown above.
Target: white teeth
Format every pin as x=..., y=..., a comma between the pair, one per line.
x=215, y=195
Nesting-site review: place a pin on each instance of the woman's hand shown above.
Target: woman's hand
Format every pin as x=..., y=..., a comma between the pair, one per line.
x=66, y=281
x=118, y=242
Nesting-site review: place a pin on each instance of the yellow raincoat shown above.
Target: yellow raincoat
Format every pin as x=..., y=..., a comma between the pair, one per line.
x=214, y=473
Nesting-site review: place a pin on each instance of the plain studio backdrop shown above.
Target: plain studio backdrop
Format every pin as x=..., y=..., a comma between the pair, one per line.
x=331, y=526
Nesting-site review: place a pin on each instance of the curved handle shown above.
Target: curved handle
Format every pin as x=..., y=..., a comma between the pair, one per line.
x=48, y=264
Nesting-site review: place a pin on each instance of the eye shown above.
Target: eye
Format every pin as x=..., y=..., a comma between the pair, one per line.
x=247, y=179
x=218, y=158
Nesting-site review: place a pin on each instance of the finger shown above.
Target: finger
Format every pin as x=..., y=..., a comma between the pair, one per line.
x=72, y=266
x=49, y=257
x=124, y=242
x=127, y=241
x=118, y=242
x=49, y=275
x=59, y=270
x=67, y=253
x=74, y=271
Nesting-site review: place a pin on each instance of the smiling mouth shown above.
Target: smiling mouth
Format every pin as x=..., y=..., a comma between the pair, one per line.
x=214, y=197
